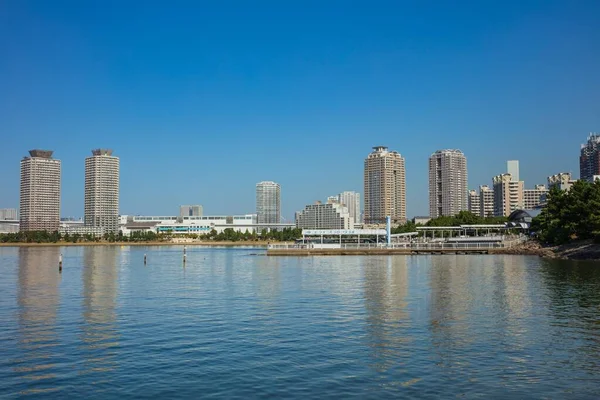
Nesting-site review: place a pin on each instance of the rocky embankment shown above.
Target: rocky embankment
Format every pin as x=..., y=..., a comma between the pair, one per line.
x=580, y=250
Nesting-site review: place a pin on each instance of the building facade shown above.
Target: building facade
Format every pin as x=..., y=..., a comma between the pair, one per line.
x=508, y=195
x=562, y=181
x=268, y=202
x=191, y=211
x=447, y=183
x=534, y=198
x=474, y=202
x=8, y=214
x=486, y=198
x=589, y=159
x=352, y=201
x=39, y=201
x=385, y=186
x=325, y=216
x=101, y=200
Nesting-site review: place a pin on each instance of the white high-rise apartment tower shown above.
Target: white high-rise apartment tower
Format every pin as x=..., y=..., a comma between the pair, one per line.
x=101, y=202
x=40, y=192
x=447, y=183
x=352, y=201
x=385, y=186
x=268, y=203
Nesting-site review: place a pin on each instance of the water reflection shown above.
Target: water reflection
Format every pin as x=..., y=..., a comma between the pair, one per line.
x=99, y=334
x=38, y=300
x=385, y=293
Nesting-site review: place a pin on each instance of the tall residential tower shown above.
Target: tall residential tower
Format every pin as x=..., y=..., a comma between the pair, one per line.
x=447, y=183
x=40, y=192
x=352, y=201
x=385, y=186
x=268, y=203
x=589, y=160
x=101, y=202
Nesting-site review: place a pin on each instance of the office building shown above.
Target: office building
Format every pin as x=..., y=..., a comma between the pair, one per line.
x=268, y=202
x=101, y=201
x=512, y=167
x=534, y=198
x=508, y=195
x=562, y=181
x=486, y=198
x=8, y=214
x=352, y=201
x=385, y=186
x=324, y=216
x=190, y=211
x=474, y=202
x=447, y=183
x=40, y=192
x=589, y=159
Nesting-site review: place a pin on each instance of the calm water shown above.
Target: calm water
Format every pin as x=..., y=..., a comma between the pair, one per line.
x=232, y=324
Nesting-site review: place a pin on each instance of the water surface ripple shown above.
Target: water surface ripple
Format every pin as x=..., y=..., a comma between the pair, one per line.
x=233, y=323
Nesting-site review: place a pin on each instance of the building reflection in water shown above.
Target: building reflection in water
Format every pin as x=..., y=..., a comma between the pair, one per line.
x=100, y=288
x=477, y=302
x=38, y=300
x=387, y=318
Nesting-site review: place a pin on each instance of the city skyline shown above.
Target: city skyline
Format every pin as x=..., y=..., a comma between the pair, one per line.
x=510, y=81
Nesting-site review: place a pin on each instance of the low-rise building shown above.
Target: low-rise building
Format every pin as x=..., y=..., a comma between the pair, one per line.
x=325, y=216
x=8, y=214
x=421, y=220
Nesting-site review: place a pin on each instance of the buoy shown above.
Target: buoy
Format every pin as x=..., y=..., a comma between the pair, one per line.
x=144, y=259
x=60, y=263
x=184, y=259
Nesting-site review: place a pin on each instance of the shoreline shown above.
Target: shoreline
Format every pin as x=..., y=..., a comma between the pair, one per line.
x=156, y=244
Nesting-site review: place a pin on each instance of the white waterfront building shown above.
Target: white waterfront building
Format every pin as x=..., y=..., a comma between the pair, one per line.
x=324, y=216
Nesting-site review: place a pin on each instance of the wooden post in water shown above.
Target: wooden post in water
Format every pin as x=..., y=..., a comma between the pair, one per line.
x=184, y=253
x=144, y=259
x=60, y=260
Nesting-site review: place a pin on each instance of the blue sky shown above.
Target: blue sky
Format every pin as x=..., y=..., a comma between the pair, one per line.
x=201, y=100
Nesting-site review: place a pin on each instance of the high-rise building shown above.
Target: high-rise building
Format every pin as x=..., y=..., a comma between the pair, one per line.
x=508, y=195
x=324, y=216
x=474, y=202
x=589, y=160
x=512, y=167
x=40, y=192
x=352, y=201
x=385, y=186
x=486, y=198
x=447, y=183
x=534, y=198
x=268, y=203
x=101, y=200
x=333, y=199
x=8, y=214
x=562, y=180
x=190, y=211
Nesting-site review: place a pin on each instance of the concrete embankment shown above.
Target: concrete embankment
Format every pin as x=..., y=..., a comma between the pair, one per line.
x=370, y=252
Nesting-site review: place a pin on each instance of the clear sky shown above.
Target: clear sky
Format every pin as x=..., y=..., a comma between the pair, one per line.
x=202, y=100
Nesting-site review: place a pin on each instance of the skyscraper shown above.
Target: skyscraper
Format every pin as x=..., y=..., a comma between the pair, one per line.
x=268, y=203
x=385, y=186
x=589, y=160
x=101, y=202
x=190, y=211
x=352, y=201
x=512, y=167
x=447, y=183
x=40, y=192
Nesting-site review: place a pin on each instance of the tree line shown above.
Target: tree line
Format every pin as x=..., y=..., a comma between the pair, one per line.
x=55, y=237
x=570, y=215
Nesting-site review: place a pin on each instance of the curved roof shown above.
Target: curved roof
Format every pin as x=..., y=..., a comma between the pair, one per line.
x=520, y=214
